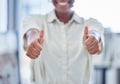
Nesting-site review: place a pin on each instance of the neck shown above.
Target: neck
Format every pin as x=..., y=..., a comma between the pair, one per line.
x=64, y=17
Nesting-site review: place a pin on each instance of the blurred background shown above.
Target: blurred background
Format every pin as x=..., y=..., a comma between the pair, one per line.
x=15, y=67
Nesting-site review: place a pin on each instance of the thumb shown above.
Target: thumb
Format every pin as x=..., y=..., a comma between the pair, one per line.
x=41, y=36
x=85, y=33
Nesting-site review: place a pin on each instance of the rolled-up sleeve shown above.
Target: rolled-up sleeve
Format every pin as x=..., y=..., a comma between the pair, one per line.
x=31, y=22
x=34, y=23
x=96, y=26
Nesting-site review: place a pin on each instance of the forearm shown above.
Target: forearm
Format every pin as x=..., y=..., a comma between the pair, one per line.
x=99, y=38
x=30, y=36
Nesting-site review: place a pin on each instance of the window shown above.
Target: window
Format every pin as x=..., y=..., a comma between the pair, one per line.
x=3, y=15
x=105, y=11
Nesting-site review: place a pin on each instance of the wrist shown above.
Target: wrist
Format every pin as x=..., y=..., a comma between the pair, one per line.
x=30, y=36
x=95, y=34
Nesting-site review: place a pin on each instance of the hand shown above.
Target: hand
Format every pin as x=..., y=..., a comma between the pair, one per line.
x=90, y=42
x=35, y=47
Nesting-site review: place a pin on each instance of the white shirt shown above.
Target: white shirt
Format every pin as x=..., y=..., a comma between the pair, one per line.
x=64, y=59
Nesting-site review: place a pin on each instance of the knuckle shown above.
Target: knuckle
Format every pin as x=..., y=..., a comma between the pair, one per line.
x=89, y=50
x=32, y=57
x=96, y=41
x=86, y=43
x=92, y=52
x=91, y=37
x=36, y=56
x=27, y=54
x=38, y=53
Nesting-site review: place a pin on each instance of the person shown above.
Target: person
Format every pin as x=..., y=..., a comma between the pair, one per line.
x=62, y=44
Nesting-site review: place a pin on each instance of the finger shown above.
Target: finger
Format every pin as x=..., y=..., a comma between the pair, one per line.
x=86, y=30
x=85, y=33
x=92, y=43
x=89, y=41
x=28, y=53
x=32, y=52
x=93, y=51
x=32, y=57
x=41, y=42
x=37, y=45
x=41, y=37
x=93, y=47
x=35, y=51
x=35, y=54
x=33, y=45
x=41, y=34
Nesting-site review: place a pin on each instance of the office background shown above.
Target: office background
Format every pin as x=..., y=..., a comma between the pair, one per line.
x=15, y=67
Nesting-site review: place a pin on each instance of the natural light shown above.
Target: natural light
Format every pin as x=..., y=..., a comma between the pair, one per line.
x=105, y=11
x=3, y=15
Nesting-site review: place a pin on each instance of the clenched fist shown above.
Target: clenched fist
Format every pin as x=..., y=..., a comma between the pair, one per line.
x=35, y=47
x=90, y=42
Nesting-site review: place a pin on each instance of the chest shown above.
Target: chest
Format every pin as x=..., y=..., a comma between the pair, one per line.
x=61, y=32
x=64, y=36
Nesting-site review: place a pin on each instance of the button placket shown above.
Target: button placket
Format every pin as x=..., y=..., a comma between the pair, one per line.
x=65, y=53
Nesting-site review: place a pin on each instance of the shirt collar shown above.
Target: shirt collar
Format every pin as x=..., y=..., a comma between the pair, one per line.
x=77, y=18
x=52, y=17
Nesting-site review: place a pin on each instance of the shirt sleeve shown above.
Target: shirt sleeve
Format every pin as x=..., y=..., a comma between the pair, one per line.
x=31, y=22
x=98, y=30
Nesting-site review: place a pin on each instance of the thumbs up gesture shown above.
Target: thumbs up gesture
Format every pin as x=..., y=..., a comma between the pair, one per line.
x=90, y=42
x=35, y=47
